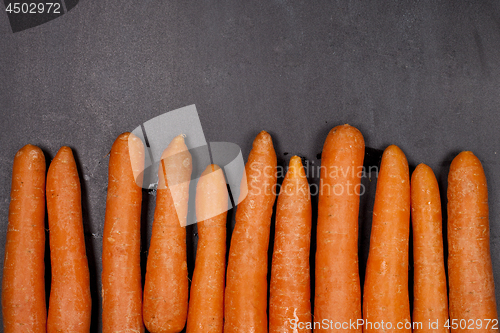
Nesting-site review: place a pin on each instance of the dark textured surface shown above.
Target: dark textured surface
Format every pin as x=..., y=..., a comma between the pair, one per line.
x=424, y=75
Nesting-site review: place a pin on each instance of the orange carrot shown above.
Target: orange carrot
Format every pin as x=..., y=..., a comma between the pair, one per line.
x=338, y=291
x=430, y=302
x=70, y=303
x=121, y=248
x=386, y=284
x=290, y=300
x=245, y=308
x=472, y=289
x=23, y=284
x=166, y=287
x=206, y=305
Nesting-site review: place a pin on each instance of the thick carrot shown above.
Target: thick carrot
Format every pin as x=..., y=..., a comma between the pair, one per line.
x=70, y=303
x=23, y=284
x=430, y=302
x=338, y=290
x=206, y=303
x=166, y=287
x=472, y=290
x=245, y=308
x=386, y=284
x=290, y=299
x=121, y=247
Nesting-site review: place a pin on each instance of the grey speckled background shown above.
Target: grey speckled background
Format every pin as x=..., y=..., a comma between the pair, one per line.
x=424, y=75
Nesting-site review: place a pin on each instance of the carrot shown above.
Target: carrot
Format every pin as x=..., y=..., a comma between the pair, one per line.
x=166, y=287
x=472, y=290
x=386, y=283
x=206, y=305
x=121, y=247
x=338, y=291
x=23, y=284
x=70, y=302
x=245, y=308
x=430, y=302
x=290, y=294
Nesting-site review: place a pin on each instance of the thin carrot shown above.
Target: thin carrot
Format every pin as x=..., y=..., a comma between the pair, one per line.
x=245, y=308
x=290, y=299
x=121, y=248
x=166, y=287
x=386, y=284
x=70, y=303
x=338, y=291
x=23, y=284
x=430, y=302
x=472, y=289
x=206, y=304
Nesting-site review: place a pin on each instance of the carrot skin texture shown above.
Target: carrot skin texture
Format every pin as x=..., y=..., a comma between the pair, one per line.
x=23, y=283
x=338, y=290
x=206, y=304
x=70, y=303
x=121, y=261
x=166, y=286
x=290, y=293
x=472, y=289
x=245, y=307
x=430, y=302
x=386, y=283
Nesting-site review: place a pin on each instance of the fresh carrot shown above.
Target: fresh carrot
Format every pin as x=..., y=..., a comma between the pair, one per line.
x=166, y=287
x=472, y=289
x=245, y=308
x=23, y=284
x=206, y=304
x=386, y=295
x=70, y=303
x=121, y=248
x=290, y=294
x=338, y=290
x=430, y=302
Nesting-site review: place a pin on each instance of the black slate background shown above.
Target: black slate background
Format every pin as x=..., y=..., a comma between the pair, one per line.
x=424, y=75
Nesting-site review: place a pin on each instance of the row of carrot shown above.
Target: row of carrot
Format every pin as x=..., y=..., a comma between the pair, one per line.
x=235, y=300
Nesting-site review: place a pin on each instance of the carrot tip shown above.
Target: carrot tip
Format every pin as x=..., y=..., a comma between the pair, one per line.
x=422, y=167
x=64, y=155
x=65, y=150
x=30, y=149
x=295, y=168
x=466, y=155
x=209, y=169
x=262, y=141
x=180, y=138
x=465, y=159
x=123, y=136
x=177, y=145
x=347, y=131
x=394, y=150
